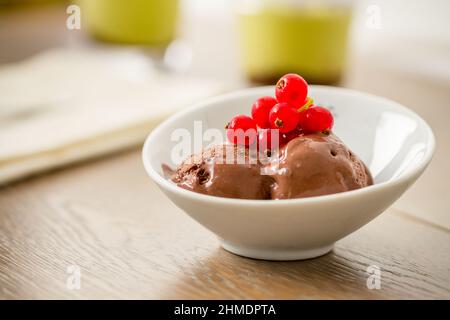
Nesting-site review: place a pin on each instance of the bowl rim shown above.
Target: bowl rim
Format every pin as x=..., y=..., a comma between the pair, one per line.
x=168, y=185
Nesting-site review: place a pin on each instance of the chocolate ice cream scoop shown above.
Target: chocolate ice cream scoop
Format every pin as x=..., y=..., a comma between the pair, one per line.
x=224, y=171
x=309, y=165
x=315, y=165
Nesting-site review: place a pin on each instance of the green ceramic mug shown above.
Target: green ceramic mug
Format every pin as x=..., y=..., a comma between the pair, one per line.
x=278, y=37
x=149, y=22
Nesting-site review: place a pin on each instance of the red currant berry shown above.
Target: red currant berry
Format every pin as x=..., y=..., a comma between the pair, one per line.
x=288, y=136
x=292, y=89
x=283, y=117
x=261, y=109
x=241, y=130
x=268, y=140
x=316, y=119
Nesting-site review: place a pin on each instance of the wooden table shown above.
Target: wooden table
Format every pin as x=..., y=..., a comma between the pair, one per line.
x=130, y=241
x=106, y=218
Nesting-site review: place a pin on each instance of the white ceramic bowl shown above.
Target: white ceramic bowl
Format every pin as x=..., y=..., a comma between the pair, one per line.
x=393, y=141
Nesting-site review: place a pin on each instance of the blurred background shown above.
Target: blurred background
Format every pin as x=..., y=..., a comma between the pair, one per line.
x=85, y=78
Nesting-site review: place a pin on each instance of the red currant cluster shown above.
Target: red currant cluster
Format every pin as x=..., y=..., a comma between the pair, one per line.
x=291, y=113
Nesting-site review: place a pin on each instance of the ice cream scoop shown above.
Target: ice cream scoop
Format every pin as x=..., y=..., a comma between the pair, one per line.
x=224, y=171
x=317, y=164
x=309, y=165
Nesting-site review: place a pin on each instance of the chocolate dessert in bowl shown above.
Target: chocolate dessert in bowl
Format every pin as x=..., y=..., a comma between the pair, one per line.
x=289, y=178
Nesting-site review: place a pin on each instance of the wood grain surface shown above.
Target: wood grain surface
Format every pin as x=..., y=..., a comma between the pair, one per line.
x=129, y=241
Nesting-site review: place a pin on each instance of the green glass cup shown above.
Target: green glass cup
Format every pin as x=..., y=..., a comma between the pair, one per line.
x=149, y=22
x=310, y=40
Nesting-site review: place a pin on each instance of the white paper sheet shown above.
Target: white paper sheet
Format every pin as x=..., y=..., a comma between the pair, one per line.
x=67, y=105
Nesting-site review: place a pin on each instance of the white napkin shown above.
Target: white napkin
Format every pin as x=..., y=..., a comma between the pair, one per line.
x=66, y=105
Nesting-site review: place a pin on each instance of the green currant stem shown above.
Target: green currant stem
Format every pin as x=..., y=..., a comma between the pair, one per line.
x=309, y=102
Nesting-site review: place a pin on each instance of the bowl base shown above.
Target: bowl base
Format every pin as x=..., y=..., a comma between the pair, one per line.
x=275, y=254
